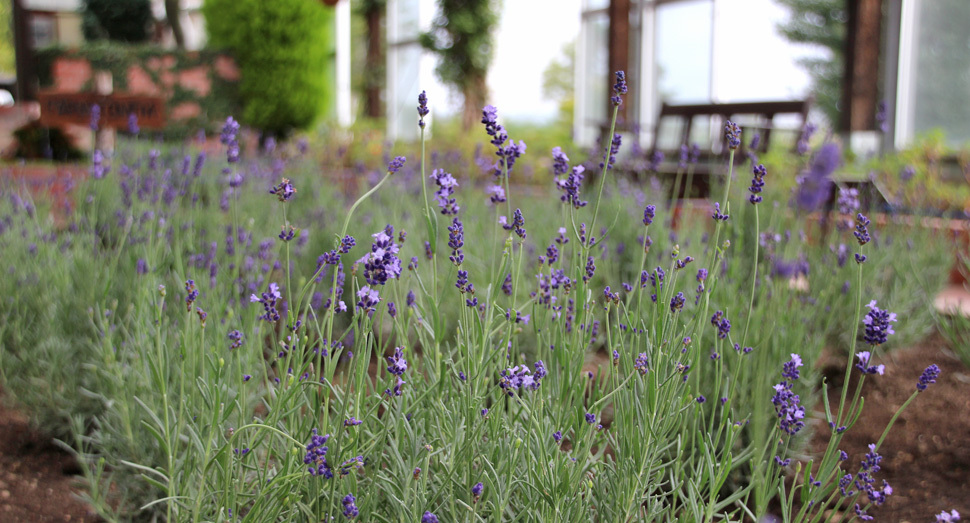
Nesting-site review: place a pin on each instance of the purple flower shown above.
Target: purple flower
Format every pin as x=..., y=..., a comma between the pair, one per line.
x=428, y=517
x=722, y=324
x=684, y=155
x=614, y=149
x=557, y=436
x=590, y=418
x=570, y=186
x=446, y=187
x=98, y=168
x=392, y=309
x=677, y=302
x=642, y=363
x=814, y=184
x=316, y=456
x=382, y=263
x=717, y=213
x=191, y=293
x=787, y=404
x=560, y=162
x=396, y=164
x=456, y=240
x=944, y=517
x=802, y=146
x=864, y=366
x=352, y=422
x=861, y=229
x=507, y=154
x=477, y=490
x=518, y=378
x=929, y=376
x=907, y=173
x=590, y=269
x=236, y=338
x=619, y=88
x=422, y=108
x=757, y=184
x=398, y=365
x=733, y=134
x=95, y=117
x=649, y=212
x=701, y=399
x=133, y=124
x=518, y=224
x=878, y=324
x=284, y=191
x=350, y=509
x=368, y=298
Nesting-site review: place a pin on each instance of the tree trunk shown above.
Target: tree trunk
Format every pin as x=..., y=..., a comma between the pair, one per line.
x=474, y=93
x=374, y=65
x=172, y=12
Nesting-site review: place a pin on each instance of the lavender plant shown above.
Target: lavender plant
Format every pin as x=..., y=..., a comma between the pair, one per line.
x=250, y=345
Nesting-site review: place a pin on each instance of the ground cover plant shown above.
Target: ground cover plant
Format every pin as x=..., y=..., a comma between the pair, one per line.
x=230, y=338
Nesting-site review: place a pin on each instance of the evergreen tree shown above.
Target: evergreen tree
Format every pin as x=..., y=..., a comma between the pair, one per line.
x=461, y=35
x=120, y=20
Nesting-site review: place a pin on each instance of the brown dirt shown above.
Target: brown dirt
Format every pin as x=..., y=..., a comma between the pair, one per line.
x=926, y=457
x=37, y=481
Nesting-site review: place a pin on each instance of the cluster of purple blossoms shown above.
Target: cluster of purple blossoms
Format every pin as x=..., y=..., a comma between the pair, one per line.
x=352, y=422
x=236, y=338
x=717, y=213
x=396, y=164
x=422, y=108
x=619, y=88
x=682, y=263
x=802, y=146
x=590, y=269
x=456, y=240
x=732, y=132
x=95, y=117
x=864, y=366
x=350, y=508
x=864, y=481
x=610, y=296
x=560, y=162
x=757, y=184
x=861, y=229
x=477, y=490
x=202, y=315
x=316, y=456
x=133, y=124
x=947, y=517
x=429, y=517
x=191, y=293
x=677, y=302
x=878, y=324
x=614, y=150
x=268, y=300
x=228, y=137
x=368, y=299
x=496, y=194
x=507, y=154
x=570, y=186
x=284, y=190
x=930, y=374
x=382, y=263
x=519, y=317
x=656, y=160
x=722, y=324
x=518, y=224
x=398, y=365
x=446, y=187
x=649, y=213
x=787, y=403
x=642, y=363
x=98, y=168
x=287, y=234
x=462, y=283
x=507, y=285
x=518, y=378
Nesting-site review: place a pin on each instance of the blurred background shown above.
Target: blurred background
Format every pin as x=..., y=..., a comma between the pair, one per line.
x=879, y=72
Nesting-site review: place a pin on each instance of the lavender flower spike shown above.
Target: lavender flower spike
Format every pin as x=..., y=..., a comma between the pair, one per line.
x=929, y=376
x=619, y=88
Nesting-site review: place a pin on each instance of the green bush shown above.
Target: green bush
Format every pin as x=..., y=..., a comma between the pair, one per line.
x=282, y=48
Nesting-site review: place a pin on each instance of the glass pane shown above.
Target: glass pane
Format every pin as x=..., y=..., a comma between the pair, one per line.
x=406, y=13
x=941, y=72
x=683, y=41
x=597, y=62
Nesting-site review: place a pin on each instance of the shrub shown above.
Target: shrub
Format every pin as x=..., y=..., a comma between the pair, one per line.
x=282, y=48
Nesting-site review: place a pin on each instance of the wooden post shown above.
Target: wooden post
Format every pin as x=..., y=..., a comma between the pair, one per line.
x=24, y=52
x=860, y=82
x=619, y=50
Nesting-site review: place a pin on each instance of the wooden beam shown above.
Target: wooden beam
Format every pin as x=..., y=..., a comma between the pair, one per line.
x=24, y=54
x=619, y=47
x=860, y=82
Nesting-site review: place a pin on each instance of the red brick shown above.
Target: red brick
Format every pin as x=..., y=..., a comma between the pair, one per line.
x=70, y=74
x=185, y=110
x=226, y=68
x=196, y=79
x=139, y=82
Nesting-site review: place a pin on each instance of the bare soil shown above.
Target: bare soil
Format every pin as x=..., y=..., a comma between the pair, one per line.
x=926, y=457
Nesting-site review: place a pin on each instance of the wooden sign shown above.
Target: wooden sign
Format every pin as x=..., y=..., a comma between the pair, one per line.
x=58, y=108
